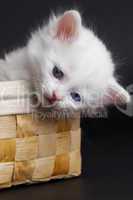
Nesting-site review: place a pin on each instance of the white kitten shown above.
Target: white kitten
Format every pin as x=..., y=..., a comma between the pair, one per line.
x=68, y=64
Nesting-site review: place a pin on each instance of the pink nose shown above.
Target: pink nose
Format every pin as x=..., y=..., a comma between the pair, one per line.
x=55, y=97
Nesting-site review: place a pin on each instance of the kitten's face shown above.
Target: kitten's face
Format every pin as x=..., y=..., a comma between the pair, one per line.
x=62, y=73
x=73, y=69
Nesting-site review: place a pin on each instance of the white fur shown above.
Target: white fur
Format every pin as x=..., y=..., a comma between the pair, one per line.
x=84, y=59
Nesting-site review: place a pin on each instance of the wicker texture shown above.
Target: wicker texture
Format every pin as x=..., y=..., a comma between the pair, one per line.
x=34, y=149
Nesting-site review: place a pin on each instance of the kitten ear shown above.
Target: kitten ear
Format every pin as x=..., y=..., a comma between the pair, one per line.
x=116, y=94
x=68, y=25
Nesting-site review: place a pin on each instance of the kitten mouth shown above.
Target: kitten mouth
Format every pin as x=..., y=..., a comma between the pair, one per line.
x=51, y=101
x=48, y=103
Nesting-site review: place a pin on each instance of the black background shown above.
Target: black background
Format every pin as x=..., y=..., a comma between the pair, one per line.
x=107, y=143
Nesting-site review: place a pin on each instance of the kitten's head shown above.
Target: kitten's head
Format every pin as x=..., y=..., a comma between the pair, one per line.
x=72, y=67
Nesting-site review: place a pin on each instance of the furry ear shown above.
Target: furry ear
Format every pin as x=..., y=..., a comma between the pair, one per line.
x=68, y=26
x=116, y=94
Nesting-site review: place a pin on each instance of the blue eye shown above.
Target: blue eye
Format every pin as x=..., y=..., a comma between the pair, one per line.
x=75, y=96
x=57, y=73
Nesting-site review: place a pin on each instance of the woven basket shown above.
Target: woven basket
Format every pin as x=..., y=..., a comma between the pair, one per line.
x=32, y=148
